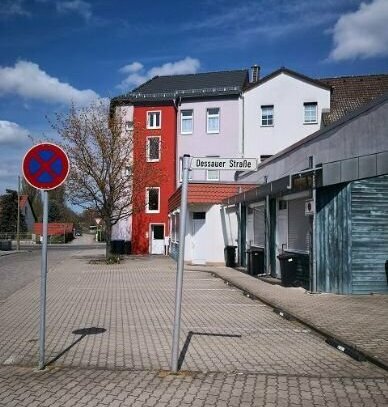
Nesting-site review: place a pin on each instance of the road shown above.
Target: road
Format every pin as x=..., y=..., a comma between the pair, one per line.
x=18, y=269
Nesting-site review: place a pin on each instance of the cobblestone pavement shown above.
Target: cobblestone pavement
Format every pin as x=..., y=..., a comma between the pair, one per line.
x=357, y=320
x=78, y=387
x=235, y=351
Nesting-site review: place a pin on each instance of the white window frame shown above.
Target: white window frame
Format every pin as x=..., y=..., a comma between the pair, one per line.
x=310, y=104
x=148, y=150
x=187, y=118
x=150, y=124
x=212, y=171
x=212, y=116
x=265, y=117
x=129, y=125
x=148, y=200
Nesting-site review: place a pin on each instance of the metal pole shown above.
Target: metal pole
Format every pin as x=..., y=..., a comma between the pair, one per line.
x=181, y=259
x=18, y=221
x=43, y=284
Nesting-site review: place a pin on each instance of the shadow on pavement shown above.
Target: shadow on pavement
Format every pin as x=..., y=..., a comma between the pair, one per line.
x=83, y=332
x=188, y=340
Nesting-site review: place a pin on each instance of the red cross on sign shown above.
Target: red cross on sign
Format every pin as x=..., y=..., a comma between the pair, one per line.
x=45, y=166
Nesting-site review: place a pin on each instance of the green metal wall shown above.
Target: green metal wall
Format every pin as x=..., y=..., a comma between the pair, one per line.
x=369, y=235
x=352, y=237
x=333, y=239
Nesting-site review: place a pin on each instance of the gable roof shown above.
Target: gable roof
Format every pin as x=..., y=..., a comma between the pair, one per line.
x=209, y=84
x=351, y=92
x=289, y=72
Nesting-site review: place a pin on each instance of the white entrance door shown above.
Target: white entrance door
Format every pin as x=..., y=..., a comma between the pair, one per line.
x=157, y=239
x=199, y=238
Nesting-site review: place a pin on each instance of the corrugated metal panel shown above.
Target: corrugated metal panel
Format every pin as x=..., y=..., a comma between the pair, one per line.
x=333, y=239
x=369, y=235
x=259, y=225
x=298, y=226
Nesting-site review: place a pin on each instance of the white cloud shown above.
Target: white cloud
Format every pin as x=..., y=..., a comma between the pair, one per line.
x=132, y=68
x=363, y=33
x=26, y=79
x=75, y=6
x=10, y=8
x=137, y=77
x=11, y=134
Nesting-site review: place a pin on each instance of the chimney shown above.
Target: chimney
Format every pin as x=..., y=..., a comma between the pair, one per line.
x=255, y=73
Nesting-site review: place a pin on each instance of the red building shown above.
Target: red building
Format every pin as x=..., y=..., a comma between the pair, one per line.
x=154, y=175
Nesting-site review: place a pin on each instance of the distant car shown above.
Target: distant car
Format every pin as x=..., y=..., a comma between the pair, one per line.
x=78, y=233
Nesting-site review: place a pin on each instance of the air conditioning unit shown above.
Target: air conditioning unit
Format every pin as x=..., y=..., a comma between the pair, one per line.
x=309, y=207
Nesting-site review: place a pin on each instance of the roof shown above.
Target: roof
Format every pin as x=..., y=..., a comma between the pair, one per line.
x=207, y=193
x=351, y=92
x=289, y=72
x=53, y=228
x=209, y=84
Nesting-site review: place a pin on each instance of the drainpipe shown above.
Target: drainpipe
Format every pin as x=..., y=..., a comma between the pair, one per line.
x=243, y=126
x=267, y=237
x=314, y=237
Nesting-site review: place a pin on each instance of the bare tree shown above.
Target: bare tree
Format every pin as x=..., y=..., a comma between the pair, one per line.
x=100, y=150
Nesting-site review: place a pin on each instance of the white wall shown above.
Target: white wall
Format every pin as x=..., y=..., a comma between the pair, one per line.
x=213, y=247
x=287, y=94
x=226, y=143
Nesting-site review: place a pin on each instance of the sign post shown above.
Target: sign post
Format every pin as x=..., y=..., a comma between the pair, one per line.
x=199, y=163
x=181, y=259
x=45, y=167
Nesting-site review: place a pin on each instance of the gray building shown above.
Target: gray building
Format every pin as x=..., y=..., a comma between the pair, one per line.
x=322, y=203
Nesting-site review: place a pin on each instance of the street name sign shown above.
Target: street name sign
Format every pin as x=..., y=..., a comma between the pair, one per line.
x=45, y=166
x=235, y=164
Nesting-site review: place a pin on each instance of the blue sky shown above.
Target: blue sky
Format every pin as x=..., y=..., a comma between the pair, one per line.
x=53, y=52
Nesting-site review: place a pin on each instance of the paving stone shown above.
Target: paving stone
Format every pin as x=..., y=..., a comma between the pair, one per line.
x=270, y=361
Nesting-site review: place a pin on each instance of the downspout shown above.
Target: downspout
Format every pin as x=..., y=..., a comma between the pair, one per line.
x=243, y=126
x=314, y=236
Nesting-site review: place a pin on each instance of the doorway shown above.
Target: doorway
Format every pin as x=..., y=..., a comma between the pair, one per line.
x=199, y=238
x=157, y=239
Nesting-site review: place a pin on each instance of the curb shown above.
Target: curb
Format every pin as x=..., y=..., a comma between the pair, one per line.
x=333, y=340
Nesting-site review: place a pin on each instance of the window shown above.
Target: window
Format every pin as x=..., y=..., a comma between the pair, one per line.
x=186, y=121
x=212, y=175
x=152, y=196
x=154, y=120
x=153, y=149
x=128, y=126
x=213, y=120
x=199, y=215
x=310, y=113
x=267, y=115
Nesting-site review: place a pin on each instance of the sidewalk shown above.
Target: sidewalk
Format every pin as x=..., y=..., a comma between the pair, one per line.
x=357, y=321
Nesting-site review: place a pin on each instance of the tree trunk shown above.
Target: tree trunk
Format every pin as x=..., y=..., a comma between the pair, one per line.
x=108, y=236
